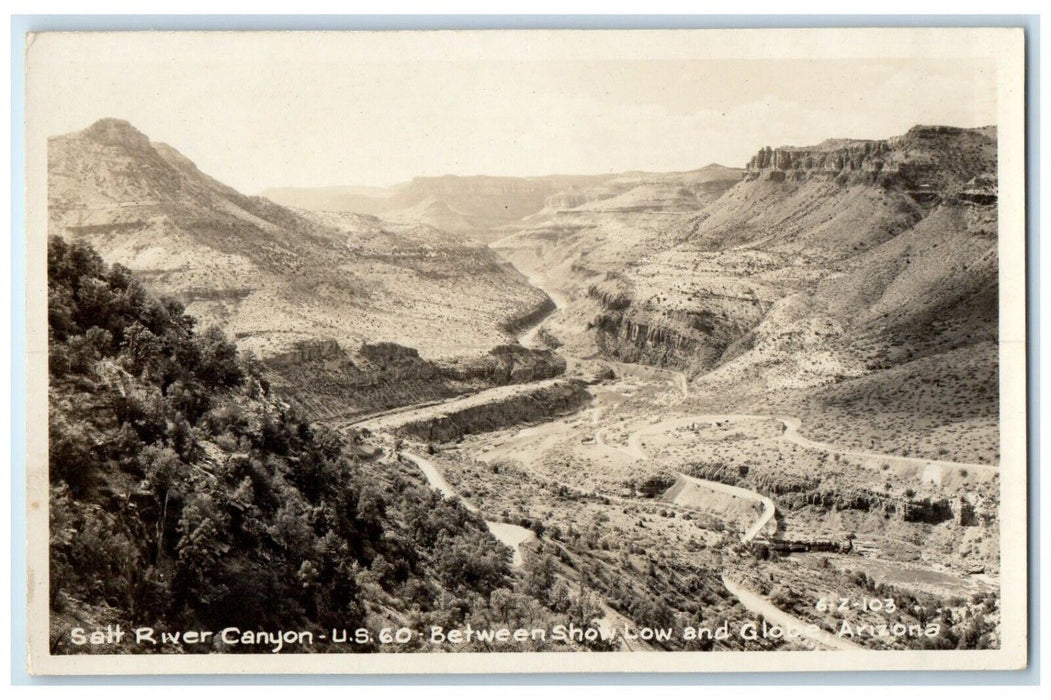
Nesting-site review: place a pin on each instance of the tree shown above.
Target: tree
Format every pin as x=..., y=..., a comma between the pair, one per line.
x=162, y=469
x=218, y=360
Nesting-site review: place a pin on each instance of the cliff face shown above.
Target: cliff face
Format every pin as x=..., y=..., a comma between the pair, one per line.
x=337, y=384
x=305, y=351
x=571, y=199
x=613, y=293
x=929, y=162
x=850, y=156
x=638, y=322
x=692, y=340
x=650, y=343
x=516, y=325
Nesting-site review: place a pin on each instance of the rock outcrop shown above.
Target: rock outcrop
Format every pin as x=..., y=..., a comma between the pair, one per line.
x=796, y=491
x=305, y=351
x=117, y=132
x=691, y=338
x=613, y=293
x=540, y=404
x=632, y=340
x=932, y=162
x=833, y=159
x=515, y=326
x=337, y=384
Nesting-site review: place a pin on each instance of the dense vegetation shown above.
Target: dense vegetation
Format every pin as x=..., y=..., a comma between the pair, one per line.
x=186, y=495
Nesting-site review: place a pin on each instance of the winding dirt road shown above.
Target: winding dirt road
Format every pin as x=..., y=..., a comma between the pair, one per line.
x=635, y=450
x=790, y=428
x=514, y=536
x=791, y=434
x=752, y=601
x=759, y=605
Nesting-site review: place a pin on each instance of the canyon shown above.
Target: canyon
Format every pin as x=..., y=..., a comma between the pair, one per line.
x=847, y=263
x=678, y=391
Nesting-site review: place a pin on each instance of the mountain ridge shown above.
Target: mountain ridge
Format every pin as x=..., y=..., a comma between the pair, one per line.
x=821, y=265
x=288, y=284
x=483, y=206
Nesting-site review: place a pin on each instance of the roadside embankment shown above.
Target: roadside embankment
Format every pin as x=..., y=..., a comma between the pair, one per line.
x=489, y=410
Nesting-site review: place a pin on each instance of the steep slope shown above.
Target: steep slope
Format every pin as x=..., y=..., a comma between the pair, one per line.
x=881, y=251
x=270, y=275
x=820, y=265
x=186, y=494
x=289, y=285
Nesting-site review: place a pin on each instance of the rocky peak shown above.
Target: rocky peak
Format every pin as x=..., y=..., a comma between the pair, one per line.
x=117, y=132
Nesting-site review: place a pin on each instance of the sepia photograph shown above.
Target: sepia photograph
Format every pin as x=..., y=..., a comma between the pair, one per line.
x=389, y=352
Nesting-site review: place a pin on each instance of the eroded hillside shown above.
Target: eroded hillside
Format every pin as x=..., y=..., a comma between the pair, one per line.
x=295, y=287
x=821, y=265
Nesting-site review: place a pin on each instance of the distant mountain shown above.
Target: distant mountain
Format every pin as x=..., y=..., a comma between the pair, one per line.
x=275, y=277
x=477, y=206
x=483, y=207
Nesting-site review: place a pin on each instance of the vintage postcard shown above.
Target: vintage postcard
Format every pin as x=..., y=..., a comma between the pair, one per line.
x=492, y=351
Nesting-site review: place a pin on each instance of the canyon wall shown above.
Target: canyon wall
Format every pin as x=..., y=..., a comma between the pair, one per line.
x=517, y=325
x=926, y=161
x=690, y=338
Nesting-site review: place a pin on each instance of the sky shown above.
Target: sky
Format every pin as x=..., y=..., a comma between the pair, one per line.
x=255, y=114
